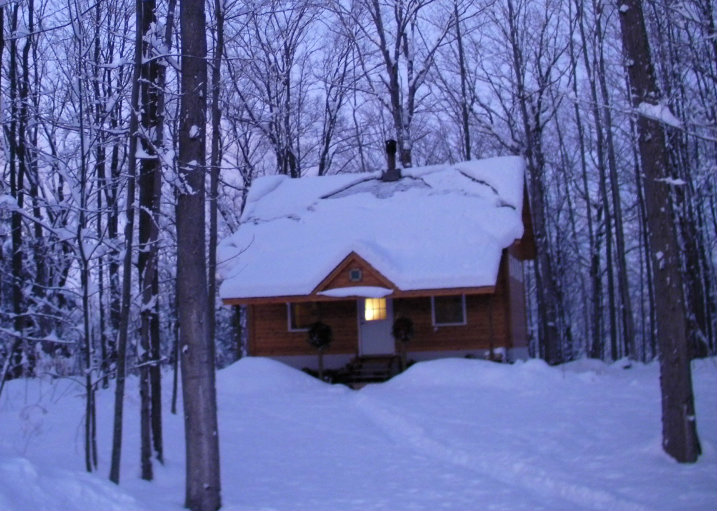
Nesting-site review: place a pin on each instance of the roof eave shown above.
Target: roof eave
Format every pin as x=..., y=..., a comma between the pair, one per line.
x=397, y=293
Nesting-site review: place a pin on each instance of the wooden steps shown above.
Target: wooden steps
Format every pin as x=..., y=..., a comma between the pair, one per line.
x=368, y=369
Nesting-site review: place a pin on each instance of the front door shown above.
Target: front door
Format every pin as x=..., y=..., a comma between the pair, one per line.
x=375, y=322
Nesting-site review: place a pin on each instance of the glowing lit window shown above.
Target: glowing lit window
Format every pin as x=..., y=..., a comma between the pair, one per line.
x=374, y=309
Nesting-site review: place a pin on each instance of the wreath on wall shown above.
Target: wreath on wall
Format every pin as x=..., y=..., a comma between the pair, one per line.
x=402, y=329
x=320, y=335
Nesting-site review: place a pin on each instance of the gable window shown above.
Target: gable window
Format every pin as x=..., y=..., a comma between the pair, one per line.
x=302, y=315
x=449, y=310
x=374, y=309
x=355, y=275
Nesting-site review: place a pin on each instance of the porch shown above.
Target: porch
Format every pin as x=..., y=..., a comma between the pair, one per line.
x=362, y=370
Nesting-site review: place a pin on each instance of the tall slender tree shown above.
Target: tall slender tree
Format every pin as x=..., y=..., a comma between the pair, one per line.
x=155, y=44
x=534, y=116
x=215, y=164
x=16, y=170
x=679, y=427
x=203, y=485
x=150, y=183
x=122, y=336
x=407, y=48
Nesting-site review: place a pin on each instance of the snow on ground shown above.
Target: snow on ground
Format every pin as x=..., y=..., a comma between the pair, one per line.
x=447, y=434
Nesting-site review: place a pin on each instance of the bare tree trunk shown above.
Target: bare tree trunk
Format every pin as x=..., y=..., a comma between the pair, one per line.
x=404, y=76
x=175, y=355
x=17, y=192
x=155, y=370
x=112, y=197
x=679, y=427
x=203, y=484
x=215, y=165
x=686, y=153
x=111, y=194
x=23, y=160
x=573, y=238
x=465, y=111
x=100, y=161
x=336, y=68
x=649, y=338
x=548, y=296
x=595, y=349
x=150, y=184
x=84, y=256
x=127, y=265
x=624, y=304
x=592, y=67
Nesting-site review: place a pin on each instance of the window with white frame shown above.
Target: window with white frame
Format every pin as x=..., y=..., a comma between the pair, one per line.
x=301, y=315
x=448, y=310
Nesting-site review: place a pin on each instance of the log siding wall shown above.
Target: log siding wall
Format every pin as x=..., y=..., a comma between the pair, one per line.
x=487, y=316
x=474, y=335
x=269, y=333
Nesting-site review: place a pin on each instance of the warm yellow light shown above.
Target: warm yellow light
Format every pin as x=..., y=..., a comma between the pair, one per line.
x=374, y=309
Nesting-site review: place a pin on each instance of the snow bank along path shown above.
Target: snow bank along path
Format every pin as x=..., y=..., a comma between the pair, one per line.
x=447, y=434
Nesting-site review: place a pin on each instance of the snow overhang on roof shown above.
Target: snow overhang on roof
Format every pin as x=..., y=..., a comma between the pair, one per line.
x=438, y=227
x=359, y=291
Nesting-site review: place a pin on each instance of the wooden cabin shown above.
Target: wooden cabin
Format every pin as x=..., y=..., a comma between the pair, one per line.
x=442, y=246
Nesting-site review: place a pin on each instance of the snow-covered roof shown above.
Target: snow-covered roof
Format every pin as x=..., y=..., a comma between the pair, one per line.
x=442, y=226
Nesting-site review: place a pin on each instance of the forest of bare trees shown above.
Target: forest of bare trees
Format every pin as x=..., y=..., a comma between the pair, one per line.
x=98, y=162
